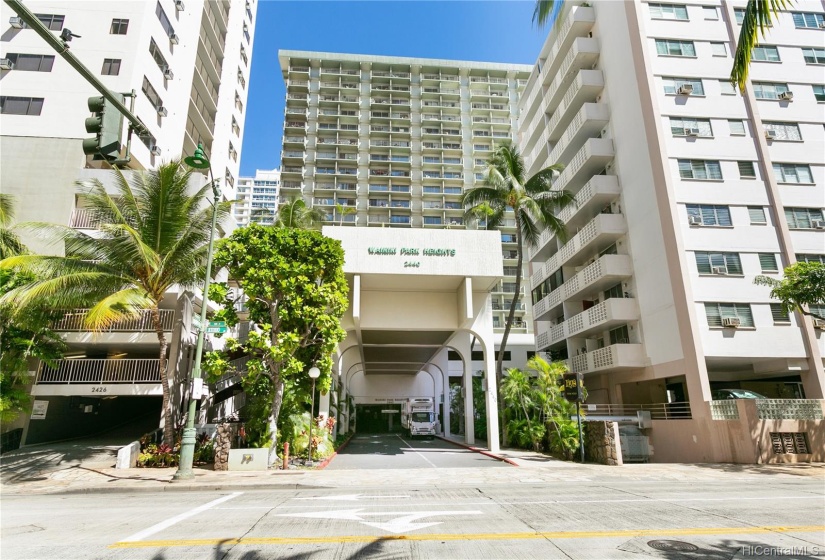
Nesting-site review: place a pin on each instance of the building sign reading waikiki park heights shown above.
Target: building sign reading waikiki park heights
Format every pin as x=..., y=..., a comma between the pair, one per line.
x=411, y=252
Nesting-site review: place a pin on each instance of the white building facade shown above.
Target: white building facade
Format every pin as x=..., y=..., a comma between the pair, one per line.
x=686, y=191
x=257, y=198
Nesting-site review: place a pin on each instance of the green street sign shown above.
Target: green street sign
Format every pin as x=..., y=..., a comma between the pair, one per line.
x=216, y=327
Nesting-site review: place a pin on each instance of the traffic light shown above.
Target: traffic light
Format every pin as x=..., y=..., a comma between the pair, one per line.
x=107, y=125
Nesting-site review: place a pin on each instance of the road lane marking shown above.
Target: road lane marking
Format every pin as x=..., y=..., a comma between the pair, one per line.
x=404, y=522
x=416, y=451
x=139, y=536
x=351, y=497
x=690, y=531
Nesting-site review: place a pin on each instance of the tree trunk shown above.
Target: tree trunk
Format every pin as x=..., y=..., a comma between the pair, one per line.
x=168, y=413
x=510, y=317
x=275, y=411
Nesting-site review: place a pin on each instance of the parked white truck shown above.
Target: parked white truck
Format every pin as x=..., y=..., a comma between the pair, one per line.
x=418, y=417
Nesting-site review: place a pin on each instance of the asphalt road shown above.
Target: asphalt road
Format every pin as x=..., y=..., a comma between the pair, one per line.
x=391, y=451
x=629, y=519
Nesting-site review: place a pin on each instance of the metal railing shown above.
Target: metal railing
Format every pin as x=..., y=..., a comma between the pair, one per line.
x=74, y=322
x=101, y=371
x=658, y=411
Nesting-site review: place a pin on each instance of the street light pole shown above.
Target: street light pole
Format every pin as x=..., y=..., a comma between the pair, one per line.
x=187, y=448
x=313, y=372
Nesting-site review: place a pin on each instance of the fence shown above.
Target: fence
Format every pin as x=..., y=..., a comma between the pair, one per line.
x=101, y=371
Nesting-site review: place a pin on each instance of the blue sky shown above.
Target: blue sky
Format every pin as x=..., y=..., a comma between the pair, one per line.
x=488, y=31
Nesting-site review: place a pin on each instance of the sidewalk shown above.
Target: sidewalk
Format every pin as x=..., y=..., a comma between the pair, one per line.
x=516, y=457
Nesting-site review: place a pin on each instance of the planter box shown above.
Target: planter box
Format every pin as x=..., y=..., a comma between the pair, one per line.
x=248, y=459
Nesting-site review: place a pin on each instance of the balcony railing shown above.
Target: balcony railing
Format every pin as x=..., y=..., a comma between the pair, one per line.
x=770, y=409
x=74, y=322
x=658, y=411
x=101, y=371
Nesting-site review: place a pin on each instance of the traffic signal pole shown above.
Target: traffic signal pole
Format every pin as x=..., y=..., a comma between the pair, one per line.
x=62, y=49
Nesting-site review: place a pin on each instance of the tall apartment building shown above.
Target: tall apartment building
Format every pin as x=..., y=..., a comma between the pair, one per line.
x=399, y=140
x=685, y=191
x=257, y=198
x=188, y=64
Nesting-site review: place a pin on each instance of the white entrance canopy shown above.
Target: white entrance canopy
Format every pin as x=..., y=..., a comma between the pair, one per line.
x=414, y=293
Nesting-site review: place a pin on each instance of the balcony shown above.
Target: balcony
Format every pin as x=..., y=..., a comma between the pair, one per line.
x=74, y=322
x=605, y=272
x=596, y=194
x=599, y=233
x=585, y=88
x=591, y=159
x=613, y=357
x=601, y=317
x=582, y=53
x=100, y=371
x=588, y=123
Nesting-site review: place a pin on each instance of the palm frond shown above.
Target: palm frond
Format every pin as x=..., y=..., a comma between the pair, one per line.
x=547, y=11
x=7, y=210
x=755, y=23
x=123, y=304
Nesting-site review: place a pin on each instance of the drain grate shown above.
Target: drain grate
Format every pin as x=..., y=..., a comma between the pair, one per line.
x=681, y=546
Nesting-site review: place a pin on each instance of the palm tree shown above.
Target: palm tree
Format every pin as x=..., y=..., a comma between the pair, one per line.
x=533, y=202
x=10, y=244
x=757, y=20
x=344, y=211
x=153, y=235
x=296, y=214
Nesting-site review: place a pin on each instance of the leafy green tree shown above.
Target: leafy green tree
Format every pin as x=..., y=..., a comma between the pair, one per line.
x=296, y=214
x=534, y=203
x=297, y=294
x=344, y=211
x=758, y=18
x=153, y=235
x=10, y=244
x=803, y=286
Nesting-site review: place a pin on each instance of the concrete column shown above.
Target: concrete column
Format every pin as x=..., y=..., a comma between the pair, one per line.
x=446, y=416
x=491, y=395
x=469, y=416
x=323, y=405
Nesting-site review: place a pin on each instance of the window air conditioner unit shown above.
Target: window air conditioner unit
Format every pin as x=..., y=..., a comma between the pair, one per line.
x=155, y=151
x=819, y=324
x=685, y=89
x=162, y=111
x=174, y=39
x=818, y=224
x=695, y=220
x=720, y=270
x=168, y=74
x=16, y=23
x=770, y=134
x=6, y=64
x=786, y=96
x=179, y=5
x=691, y=132
x=731, y=322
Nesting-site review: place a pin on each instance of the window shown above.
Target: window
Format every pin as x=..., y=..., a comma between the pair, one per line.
x=792, y=173
x=619, y=335
x=432, y=220
x=52, y=21
x=164, y=20
x=739, y=14
x=757, y=215
x=718, y=311
x=710, y=263
x=819, y=92
x=21, y=105
x=241, y=79
x=700, y=169
x=737, y=128
x=119, y=27
x=768, y=262
x=811, y=258
x=802, y=218
x=665, y=47
x=32, y=62
x=763, y=90
x=151, y=93
x=808, y=19
x=818, y=310
x=680, y=126
x=238, y=102
x=779, y=315
x=710, y=12
x=668, y=11
x=154, y=50
x=814, y=56
x=235, y=127
x=746, y=170
x=710, y=215
x=727, y=88
x=614, y=292
x=111, y=67
x=244, y=57
x=782, y=131
x=672, y=85
x=765, y=54
x=719, y=49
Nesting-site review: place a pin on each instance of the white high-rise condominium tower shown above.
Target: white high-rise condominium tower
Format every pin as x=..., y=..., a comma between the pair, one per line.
x=399, y=140
x=686, y=190
x=188, y=63
x=257, y=198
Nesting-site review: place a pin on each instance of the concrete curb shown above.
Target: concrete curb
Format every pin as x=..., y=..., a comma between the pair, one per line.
x=329, y=459
x=479, y=450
